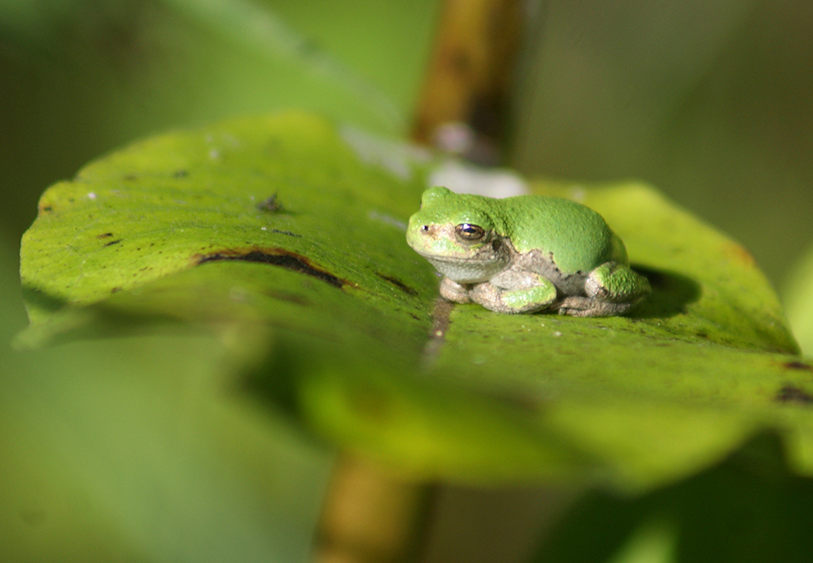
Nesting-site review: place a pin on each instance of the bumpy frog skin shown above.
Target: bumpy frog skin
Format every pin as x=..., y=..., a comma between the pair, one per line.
x=525, y=254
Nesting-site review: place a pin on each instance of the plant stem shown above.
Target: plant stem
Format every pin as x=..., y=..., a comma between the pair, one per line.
x=370, y=515
x=470, y=73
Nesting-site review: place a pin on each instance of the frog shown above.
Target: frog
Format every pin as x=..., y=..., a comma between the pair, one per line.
x=525, y=254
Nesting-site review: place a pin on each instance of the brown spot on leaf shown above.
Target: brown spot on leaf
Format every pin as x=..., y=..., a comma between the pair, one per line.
x=798, y=365
x=739, y=253
x=288, y=296
x=33, y=517
x=271, y=204
x=104, y=235
x=398, y=283
x=371, y=404
x=288, y=233
x=112, y=242
x=47, y=209
x=792, y=394
x=441, y=320
x=275, y=257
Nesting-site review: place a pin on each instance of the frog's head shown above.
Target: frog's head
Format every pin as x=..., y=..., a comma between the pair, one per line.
x=456, y=233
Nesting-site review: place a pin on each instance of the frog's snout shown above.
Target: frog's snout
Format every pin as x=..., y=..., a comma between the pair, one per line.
x=424, y=233
x=418, y=232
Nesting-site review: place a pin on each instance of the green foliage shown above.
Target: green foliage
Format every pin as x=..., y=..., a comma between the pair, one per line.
x=285, y=236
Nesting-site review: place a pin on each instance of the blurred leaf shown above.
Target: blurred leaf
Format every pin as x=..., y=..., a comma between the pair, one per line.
x=259, y=30
x=747, y=509
x=798, y=298
x=285, y=234
x=137, y=450
x=127, y=34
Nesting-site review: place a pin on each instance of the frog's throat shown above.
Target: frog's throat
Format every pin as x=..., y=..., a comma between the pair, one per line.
x=467, y=270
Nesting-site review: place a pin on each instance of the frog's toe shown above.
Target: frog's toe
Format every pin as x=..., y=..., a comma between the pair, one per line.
x=574, y=306
x=577, y=306
x=595, y=290
x=453, y=291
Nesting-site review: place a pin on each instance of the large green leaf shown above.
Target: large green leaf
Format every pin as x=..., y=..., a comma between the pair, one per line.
x=333, y=317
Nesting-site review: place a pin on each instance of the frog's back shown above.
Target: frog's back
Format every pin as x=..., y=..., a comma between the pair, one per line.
x=577, y=237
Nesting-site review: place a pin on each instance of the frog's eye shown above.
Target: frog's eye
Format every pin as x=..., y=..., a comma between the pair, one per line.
x=468, y=232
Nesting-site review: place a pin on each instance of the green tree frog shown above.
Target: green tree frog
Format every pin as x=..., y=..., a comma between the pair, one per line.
x=525, y=254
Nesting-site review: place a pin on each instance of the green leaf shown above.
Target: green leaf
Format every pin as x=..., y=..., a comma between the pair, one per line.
x=332, y=316
x=187, y=199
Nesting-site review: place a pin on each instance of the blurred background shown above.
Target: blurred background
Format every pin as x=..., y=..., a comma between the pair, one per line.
x=710, y=101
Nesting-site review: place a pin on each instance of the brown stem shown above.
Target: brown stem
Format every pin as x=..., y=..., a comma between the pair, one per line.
x=370, y=515
x=470, y=72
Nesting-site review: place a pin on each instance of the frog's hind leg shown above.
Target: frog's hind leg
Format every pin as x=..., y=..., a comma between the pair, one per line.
x=616, y=283
x=611, y=289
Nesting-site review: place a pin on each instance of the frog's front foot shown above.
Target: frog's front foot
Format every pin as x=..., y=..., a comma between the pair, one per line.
x=453, y=291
